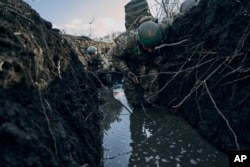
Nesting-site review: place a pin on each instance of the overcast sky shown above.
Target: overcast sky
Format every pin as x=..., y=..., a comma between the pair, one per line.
x=74, y=16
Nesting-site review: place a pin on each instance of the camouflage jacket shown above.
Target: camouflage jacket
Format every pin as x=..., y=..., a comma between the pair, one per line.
x=128, y=50
x=100, y=62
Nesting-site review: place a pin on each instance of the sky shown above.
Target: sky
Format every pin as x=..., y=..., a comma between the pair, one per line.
x=75, y=16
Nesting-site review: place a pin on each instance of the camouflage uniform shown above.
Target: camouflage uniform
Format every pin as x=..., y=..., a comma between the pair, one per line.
x=100, y=66
x=129, y=52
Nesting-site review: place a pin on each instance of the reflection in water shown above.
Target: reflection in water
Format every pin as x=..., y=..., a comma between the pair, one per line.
x=159, y=140
x=153, y=139
x=116, y=130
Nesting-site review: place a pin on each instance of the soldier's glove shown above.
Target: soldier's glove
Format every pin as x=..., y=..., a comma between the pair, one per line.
x=133, y=77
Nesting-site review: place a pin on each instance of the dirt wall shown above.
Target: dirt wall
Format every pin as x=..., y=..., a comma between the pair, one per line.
x=48, y=111
x=206, y=79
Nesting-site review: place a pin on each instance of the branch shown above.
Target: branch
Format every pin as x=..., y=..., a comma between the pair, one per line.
x=221, y=114
x=48, y=121
x=199, y=83
x=15, y=12
x=164, y=7
x=172, y=44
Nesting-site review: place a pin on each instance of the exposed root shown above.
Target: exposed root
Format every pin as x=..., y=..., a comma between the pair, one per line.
x=222, y=115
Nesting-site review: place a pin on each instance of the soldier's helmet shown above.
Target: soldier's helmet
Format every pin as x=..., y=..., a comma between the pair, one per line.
x=149, y=34
x=91, y=50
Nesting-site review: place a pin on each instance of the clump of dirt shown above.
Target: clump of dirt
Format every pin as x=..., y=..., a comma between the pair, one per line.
x=206, y=79
x=48, y=110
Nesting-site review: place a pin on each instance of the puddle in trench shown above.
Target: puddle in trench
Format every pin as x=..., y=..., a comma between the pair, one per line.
x=153, y=139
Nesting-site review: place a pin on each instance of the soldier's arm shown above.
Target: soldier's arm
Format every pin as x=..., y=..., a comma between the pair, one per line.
x=117, y=55
x=106, y=63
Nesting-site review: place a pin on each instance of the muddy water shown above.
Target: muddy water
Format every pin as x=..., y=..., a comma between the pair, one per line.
x=152, y=138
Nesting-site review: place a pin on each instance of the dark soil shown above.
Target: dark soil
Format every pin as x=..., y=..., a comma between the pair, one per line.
x=207, y=78
x=48, y=103
x=48, y=110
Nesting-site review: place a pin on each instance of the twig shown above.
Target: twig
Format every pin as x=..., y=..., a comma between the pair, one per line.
x=48, y=122
x=241, y=42
x=1, y=65
x=199, y=83
x=236, y=80
x=59, y=69
x=96, y=76
x=188, y=69
x=199, y=108
x=88, y=116
x=221, y=114
x=128, y=109
x=172, y=44
x=13, y=11
x=164, y=7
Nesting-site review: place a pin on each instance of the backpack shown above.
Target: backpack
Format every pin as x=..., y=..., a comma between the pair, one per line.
x=137, y=12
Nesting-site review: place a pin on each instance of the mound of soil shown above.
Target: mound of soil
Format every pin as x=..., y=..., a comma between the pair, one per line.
x=48, y=110
x=206, y=79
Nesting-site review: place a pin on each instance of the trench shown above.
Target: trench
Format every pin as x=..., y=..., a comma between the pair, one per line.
x=151, y=138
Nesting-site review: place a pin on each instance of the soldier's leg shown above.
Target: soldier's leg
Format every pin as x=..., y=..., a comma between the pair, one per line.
x=150, y=84
x=109, y=80
x=131, y=92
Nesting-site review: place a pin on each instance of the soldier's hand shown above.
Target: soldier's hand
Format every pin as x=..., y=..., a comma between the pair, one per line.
x=133, y=77
x=135, y=80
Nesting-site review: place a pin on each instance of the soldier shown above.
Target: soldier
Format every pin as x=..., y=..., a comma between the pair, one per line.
x=134, y=54
x=99, y=65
